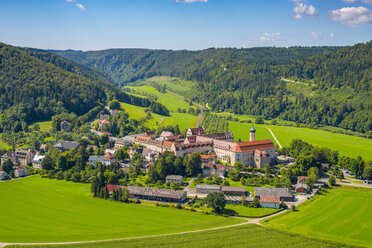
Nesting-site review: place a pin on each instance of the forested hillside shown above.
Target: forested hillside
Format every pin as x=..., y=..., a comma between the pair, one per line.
x=35, y=85
x=335, y=87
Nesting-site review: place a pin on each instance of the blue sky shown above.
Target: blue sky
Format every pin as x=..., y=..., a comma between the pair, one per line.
x=183, y=24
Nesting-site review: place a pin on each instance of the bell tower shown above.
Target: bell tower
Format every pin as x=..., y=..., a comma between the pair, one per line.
x=252, y=136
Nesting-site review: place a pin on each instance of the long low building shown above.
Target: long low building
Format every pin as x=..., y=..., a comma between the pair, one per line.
x=227, y=190
x=283, y=193
x=152, y=194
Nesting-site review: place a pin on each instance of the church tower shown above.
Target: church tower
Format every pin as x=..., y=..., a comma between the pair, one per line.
x=252, y=136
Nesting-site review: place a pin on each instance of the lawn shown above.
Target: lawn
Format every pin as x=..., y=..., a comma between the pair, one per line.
x=343, y=214
x=35, y=209
x=183, y=120
x=236, y=237
x=251, y=212
x=4, y=145
x=347, y=145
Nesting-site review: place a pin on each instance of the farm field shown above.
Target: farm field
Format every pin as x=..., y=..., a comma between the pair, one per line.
x=343, y=214
x=236, y=237
x=48, y=210
x=172, y=102
x=347, y=145
x=183, y=120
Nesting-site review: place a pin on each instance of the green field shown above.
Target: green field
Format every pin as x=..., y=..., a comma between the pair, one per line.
x=45, y=126
x=169, y=100
x=183, y=120
x=4, y=145
x=250, y=212
x=34, y=209
x=235, y=237
x=347, y=145
x=343, y=214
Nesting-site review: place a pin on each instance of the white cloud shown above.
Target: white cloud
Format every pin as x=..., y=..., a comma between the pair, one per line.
x=270, y=37
x=352, y=16
x=80, y=6
x=349, y=1
x=302, y=10
x=367, y=1
x=70, y=1
x=319, y=35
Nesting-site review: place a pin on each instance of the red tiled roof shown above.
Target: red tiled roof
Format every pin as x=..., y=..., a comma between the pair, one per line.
x=108, y=156
x=270, y=199
x=213, y=156
x=197, y=130
x=253, y=145
x=111, y=187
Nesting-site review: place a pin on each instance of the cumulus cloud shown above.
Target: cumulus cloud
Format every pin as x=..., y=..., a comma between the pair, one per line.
x=80, y=6
x=301, y=10
x=70, y=1
x=352, y=16
x=349, y=1
x=367, y=1
x=270, y=37
x=354, y=1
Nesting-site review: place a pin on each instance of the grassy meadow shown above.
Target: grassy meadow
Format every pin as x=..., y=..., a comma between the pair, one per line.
x=235, y=237
x=35, y=209
x=183, y=120
x=341, y=214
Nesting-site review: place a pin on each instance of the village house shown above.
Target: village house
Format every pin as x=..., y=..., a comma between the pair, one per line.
x=36, y=162
x=20, y=172
x=93, y=159
x=283, y=193
x=270, y=201
x=301, y=179
x=114, y=112
x=108, y=159
x=195, y=131
x=174, y=179
x=302, y=188
x=237, y=199
x=19, y=157
x=150, y=155
x=227, y=136
x=103, y=123
x=210, y=158
x=65, y=126
x=3, y=175
x=124, y=141
x=213, y=169
x=165, y=134
x=63, y=146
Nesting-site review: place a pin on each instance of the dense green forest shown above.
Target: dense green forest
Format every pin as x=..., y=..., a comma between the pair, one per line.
x=36, y=85
x=328, y=86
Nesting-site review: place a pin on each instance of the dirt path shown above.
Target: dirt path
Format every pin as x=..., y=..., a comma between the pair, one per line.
x=247, y=221
x=277, y=141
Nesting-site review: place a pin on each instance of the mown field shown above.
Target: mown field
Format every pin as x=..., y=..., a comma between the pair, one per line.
x=342, y=214
x=45, y=126
x=347, y=145
x=35, y=209
x=235, y=237
x=183, y=120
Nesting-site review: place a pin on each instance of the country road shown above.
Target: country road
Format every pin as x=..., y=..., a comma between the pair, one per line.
x=248, y=221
